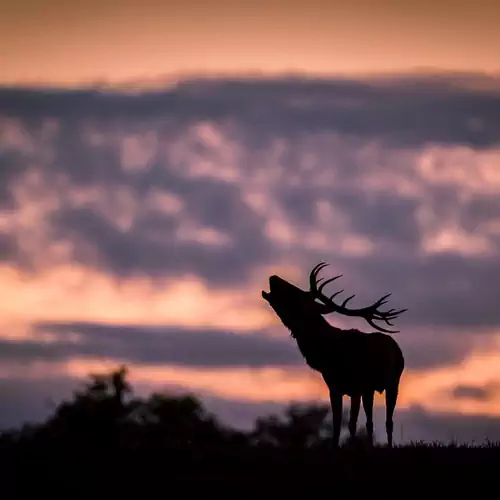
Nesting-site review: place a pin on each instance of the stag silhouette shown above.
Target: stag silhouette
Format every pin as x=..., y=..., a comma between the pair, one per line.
x=352, y=362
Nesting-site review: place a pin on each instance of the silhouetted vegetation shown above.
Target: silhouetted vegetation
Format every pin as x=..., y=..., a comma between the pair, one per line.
x=105, y=440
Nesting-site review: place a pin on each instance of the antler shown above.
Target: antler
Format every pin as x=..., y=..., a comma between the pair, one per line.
x=370, y=313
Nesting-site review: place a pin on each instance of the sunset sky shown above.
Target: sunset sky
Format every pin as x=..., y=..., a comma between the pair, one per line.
x=60, y=42
x=141, y=227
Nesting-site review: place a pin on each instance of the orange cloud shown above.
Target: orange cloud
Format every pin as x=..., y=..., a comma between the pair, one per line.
x=429, y=389
x=432, y=389
x=74, y=293
x=256, y=385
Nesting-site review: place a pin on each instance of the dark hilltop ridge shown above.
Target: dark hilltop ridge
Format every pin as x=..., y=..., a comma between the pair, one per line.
x=107, y=441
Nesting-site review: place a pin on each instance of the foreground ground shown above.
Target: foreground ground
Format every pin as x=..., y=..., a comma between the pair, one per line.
x=257, y=473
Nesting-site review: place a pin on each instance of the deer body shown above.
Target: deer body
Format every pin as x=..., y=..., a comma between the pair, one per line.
x=352, y=362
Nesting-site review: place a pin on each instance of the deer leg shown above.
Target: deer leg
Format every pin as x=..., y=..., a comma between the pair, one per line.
x=368, y=407
x=391, y=396
x=336, y=402
x=353, y=418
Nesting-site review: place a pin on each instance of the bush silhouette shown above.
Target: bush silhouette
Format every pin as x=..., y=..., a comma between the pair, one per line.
x=302, y=426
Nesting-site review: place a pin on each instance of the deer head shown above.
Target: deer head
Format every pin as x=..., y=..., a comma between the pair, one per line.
x=287, y=299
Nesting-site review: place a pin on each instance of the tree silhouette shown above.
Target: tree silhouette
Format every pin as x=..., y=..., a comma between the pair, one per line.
x=178, y=421
x=95, y=412
x=301, y=426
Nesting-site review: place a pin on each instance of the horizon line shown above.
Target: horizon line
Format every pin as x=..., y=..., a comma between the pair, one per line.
x=166, y=80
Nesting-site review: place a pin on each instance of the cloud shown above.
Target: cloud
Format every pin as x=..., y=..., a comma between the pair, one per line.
x=217, y=237
x=448, y=388
x=157, y=345
x=399, y=111
x=74, y=293
x=202, y=347
x=214, y=233
x=471, y=392
x=443, y=290
x=246, y=379
x=12, y=165
x=199, y=347
x=427, y=349
x=477, y=393
x=7, y=247
x=121, y=212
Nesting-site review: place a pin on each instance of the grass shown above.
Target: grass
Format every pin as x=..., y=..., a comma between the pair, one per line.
x=257, y=472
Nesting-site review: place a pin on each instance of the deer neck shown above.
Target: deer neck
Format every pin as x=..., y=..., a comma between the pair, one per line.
x=311, y=329
x=315, y=340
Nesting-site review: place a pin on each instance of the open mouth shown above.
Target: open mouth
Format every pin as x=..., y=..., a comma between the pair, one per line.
x=267, y=295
